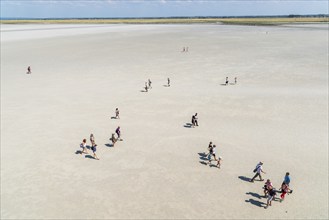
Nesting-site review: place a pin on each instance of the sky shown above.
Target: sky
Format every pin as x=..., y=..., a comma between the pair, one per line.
x=157, y=8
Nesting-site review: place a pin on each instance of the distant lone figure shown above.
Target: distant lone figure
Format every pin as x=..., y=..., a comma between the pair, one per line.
x=150, y=84
x=117, y=113
x=183, y=49
x=118, y=132
x=168, y=80
x=28, y=70
x=226, y=81
x=235, y=80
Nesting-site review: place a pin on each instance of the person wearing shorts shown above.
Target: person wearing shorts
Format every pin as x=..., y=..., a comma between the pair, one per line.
x=271, y=196
x=83, y=145
x=92, y=139
x=93, y=148
x=117, y=113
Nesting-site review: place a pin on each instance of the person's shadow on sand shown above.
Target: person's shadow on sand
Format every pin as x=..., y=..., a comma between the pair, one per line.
x=254, y=195
x=113, y=117
x=188, y=125
x=90, y=157
x=255, y=202
x=78, y=152
x=247, y=179
x=108, y=145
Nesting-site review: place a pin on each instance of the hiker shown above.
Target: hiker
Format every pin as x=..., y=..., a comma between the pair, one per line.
x=118, y=132
x=219, y=161
x=83, y=145
x=146, y=88
x=92, y=139
x=284, y=190
x=93, y=148
x=196, y=119
x=235, y=80
x=150, y=84
x=113, y=139
x=168, y=80
x=212, y=153
x=286, y=179
x=271, y=196
x=258, y=170
x=193, y=121
x=226, y=81
x=209, y=149
x=267, y=185
x=117, y=113
x=28, y=70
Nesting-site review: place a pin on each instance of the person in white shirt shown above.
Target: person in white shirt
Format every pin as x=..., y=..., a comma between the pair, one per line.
x=258, y=170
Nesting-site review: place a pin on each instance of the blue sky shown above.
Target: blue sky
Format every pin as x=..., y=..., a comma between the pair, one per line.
x=157, y=8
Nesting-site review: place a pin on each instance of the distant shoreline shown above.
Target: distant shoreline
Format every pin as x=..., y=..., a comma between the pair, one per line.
x=194, y=20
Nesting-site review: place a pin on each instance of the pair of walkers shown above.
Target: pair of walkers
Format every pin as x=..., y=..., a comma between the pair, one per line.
x=114, y=139
x=83, y=145
x=235, y=81
x=212, y=153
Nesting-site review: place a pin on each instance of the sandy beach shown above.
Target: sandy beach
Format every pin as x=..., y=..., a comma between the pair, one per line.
x=277, y=113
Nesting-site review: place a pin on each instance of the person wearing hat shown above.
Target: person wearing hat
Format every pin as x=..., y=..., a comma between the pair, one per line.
x=258, y=170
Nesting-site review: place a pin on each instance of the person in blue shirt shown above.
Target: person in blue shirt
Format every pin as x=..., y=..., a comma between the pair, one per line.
x=286, y=179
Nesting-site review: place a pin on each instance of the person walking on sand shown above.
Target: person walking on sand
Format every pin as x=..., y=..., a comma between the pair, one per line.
x=209, y=149
x=267, y=186
x=92, y=139
x=150, y=83
x=117, y=113
x=286, y=179
x=235, y=80
x=118, y=132
x=284, y=190
x=113, y=139
x=258, y=170
x=28, y=70
x=226, y=81
x=83, y=145
x=168, y=81
x=193, y=121
x=93, y=148
x=271, y=196
x=219, y=162
x=196, y=119
x=146, y=88
x=213, y=153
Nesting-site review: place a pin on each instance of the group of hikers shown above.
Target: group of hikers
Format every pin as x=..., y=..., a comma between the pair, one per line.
x=148, y=84
x=269, y=191
x=84, y=147
x=235, y=81
x=212, y=153
x=113, y=139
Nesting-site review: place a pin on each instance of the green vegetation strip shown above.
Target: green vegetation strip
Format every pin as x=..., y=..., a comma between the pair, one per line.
x=240, y=21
